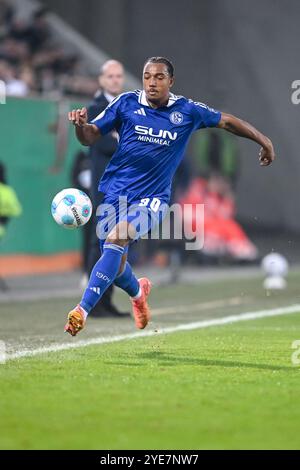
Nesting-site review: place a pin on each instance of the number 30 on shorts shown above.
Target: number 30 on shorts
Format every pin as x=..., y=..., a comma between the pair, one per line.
x=153, y=204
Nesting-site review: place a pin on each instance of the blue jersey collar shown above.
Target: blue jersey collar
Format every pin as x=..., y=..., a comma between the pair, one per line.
x=143, y=100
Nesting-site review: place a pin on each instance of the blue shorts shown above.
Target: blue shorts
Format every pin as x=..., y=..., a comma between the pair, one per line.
x=145, y=215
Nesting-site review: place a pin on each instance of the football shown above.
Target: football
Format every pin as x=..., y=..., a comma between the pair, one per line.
x=71, y=208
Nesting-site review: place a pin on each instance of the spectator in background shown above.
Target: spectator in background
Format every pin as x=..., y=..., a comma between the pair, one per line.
x=37, y=58
x=9, y=202
x=216, y=157
x=223, y=236
x=6, y=16
x=36, y=35
x=9, y=207
x=111, y=81
x=14, y=52
x=14, y=86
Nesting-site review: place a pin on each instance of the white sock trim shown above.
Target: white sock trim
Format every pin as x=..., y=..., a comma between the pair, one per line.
x=85, y=313
x=138, y=295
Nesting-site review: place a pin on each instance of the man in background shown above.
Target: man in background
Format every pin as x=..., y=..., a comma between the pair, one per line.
x=9, y=207
x=111, y=81
x=9, y=202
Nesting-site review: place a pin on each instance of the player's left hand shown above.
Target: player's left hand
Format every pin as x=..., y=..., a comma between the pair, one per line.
x=78, y=117
x=266, y=156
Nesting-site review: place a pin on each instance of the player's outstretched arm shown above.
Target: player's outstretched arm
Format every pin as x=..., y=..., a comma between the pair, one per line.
x=86, y=133
x=243, y=129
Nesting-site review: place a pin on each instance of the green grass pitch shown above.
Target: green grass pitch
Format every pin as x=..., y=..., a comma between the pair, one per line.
x=230, y=387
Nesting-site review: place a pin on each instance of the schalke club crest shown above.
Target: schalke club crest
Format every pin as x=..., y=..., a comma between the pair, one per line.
x=176, y=117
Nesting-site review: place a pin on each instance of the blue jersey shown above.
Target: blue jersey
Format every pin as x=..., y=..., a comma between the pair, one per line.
x=151, y=143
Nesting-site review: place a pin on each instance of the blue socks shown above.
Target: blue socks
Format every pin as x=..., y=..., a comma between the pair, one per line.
x=128, y=282
x=103, y=274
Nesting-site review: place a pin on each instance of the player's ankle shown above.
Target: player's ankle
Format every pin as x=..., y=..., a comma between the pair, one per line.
x=84, y=311
x=138, y=295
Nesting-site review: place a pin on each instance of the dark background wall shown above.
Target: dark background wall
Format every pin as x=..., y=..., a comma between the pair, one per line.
x=239, y=56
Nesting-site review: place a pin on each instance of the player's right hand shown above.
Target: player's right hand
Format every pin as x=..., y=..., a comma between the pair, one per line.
x=78, y=117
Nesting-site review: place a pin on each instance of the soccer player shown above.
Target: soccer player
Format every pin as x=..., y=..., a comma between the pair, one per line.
x=154, y=127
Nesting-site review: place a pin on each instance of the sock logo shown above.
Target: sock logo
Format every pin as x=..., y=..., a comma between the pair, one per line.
x=96, y=290
x=102, y=276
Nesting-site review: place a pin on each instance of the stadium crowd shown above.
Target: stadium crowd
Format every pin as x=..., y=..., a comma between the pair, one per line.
x=32, y=61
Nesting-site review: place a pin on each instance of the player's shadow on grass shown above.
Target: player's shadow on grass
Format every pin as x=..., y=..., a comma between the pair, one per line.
x=167, y=360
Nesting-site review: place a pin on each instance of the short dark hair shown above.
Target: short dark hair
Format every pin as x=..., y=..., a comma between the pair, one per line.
x=162, y=60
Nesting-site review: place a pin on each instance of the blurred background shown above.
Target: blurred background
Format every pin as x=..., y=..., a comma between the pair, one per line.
x=239, y=57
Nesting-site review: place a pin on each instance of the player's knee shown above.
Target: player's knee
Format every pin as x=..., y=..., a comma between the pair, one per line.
x=119, y=234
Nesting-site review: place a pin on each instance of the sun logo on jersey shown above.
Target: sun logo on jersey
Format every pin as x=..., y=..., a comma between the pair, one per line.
x=176, y=117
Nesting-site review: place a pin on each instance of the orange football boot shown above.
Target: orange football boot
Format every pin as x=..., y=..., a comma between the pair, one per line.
x=76, y=321
x=140, y=307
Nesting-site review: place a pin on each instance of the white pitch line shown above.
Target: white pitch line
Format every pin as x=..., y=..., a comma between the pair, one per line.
x=231, y=302
x=171, y=329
